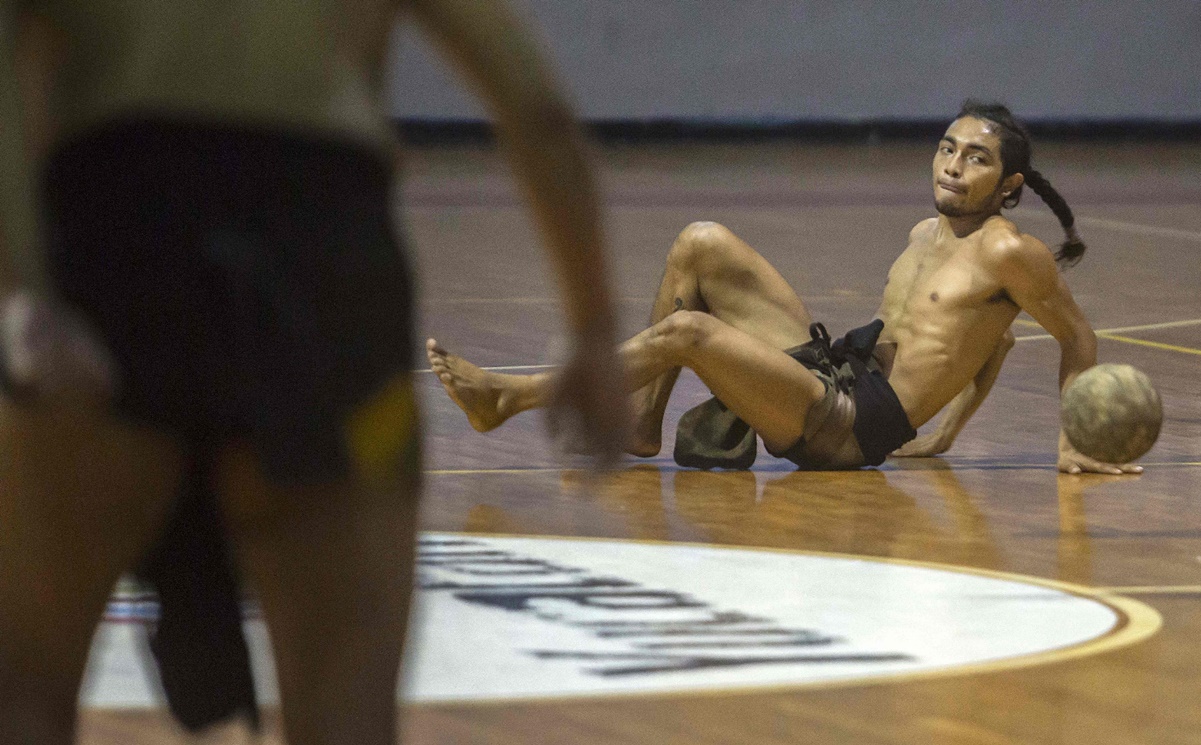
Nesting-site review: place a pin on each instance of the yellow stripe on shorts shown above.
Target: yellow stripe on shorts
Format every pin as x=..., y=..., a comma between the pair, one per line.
x=381, y=434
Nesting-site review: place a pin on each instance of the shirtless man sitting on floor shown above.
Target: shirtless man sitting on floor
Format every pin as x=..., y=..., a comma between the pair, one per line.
x=723, y=311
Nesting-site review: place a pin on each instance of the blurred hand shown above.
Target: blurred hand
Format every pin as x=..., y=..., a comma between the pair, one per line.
x=924, y=446
x=46, y=349
x=590, y=408
x=1073, y=461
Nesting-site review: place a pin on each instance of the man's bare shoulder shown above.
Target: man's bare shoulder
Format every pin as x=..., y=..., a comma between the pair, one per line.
x=923, y=229
x=1001, y=243
x=1016, y=258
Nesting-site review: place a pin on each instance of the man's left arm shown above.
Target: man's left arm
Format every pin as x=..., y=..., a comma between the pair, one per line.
x=1027, y=270
x=960, y=409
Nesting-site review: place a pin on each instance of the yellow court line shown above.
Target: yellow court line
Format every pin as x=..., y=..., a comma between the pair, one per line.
x=480, y=471
x=672, y=466
x=1116, y=330
x=1151, y=590
x=524, y=300
x=1154, y=326
x=1146, y=343
x=1100, y=334
x=1105, y=333
x=500, y=368
x=1134, y=227
x=1113, y=334
x=1119, y=225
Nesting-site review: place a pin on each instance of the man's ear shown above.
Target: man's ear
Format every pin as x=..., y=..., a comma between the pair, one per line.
x=1011, y=183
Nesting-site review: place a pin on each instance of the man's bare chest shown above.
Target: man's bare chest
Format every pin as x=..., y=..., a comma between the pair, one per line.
x=931, y=281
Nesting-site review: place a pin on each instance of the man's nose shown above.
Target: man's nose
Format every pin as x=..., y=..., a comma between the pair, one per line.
x=953, y=166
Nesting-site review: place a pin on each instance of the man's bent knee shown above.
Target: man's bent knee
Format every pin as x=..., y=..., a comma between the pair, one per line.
x=698, y=240
x=710, y=251
x=704, y=232
x=684, y=332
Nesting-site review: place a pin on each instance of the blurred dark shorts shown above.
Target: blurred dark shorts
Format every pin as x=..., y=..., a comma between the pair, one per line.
x=250, y=285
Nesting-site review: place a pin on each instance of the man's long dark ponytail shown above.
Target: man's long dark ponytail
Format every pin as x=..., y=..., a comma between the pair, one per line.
x=1015, y=158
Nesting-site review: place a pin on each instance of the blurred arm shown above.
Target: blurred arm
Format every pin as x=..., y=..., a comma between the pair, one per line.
x=21, y=262
x=546, y=151
x=538, y=132
x=47, y=348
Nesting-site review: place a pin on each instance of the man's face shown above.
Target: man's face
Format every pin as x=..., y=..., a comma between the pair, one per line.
x=967, y=169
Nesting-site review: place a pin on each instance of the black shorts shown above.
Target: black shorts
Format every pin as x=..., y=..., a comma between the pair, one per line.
x=249, y=284
x=857, y=423
x=859, y=420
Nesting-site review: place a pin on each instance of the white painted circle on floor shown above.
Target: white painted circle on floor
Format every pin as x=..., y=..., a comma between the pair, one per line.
x=520, y=618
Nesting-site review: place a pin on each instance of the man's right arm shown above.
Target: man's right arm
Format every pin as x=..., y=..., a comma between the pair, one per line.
x=1027, y=271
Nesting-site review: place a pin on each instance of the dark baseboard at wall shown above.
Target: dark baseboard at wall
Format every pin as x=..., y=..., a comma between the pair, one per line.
x=430, y=132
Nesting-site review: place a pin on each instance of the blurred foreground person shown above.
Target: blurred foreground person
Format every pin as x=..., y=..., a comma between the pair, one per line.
x=199, y=275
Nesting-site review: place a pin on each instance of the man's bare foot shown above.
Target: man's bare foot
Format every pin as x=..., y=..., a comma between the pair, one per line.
x=644, y=444
x=473, y=389
x=647, y=438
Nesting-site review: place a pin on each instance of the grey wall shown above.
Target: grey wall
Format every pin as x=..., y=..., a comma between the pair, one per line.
x=771, y=60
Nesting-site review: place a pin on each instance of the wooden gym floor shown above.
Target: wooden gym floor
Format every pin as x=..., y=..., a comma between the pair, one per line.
x=832, y=218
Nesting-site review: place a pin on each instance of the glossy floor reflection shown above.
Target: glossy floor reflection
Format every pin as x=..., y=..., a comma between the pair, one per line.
x=1138, y=536
x=832, y=219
